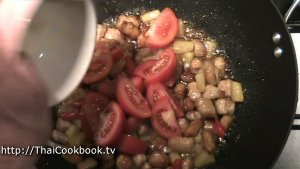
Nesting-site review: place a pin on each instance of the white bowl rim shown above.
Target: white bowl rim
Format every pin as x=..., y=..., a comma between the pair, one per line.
x=84, y=56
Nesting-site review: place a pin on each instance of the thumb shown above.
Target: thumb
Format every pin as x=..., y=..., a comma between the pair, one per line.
x=24, y=117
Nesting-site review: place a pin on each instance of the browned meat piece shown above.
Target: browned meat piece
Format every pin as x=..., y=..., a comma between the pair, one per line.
x=180, y=90
x=114, y=34
x=209, y=143
x=144, y=28
x=141, y=41
x=196, y=65
x=124, y=162
x=212, y=92
x=182, y=144
x=200, y=49
x=220, y=64
x=206, y=108
x=193, y=115
x=209, y=72
x=209, y=125
x=193, y=128
x=187, y=77
x=225, y=87
x=188, y=104
x=226, y=121
x=225, y=106
x=101, y=30
x=157, y=143
x=158, y=160
x=130, y=18
x=130, y=30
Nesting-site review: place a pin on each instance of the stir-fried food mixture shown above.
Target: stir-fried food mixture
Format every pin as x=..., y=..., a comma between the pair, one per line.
x=158, y=91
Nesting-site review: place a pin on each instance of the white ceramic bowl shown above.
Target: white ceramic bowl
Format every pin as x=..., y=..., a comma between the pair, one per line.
x=59, y=36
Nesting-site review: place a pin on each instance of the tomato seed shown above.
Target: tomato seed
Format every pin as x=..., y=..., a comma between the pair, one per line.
x=131, y=93
x=108, y=124
x=162, y=122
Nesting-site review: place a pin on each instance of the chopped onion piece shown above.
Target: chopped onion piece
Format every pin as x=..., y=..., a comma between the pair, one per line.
x=183, y=46
x=237, y=92
x=211, y=46
x=200, y=79
x=181, y=29
x=203, y=158
x=149, y=16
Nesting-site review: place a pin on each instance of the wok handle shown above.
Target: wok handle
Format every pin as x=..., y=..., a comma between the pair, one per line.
x=296, y=126
x=291, y=10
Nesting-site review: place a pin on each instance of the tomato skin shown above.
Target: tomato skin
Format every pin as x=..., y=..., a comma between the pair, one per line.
x=155, y=91
x=94, y=104
x=159, y=70
x=111, y=126
x=130, y=66
x=91, y=107
x=110, y=48
x=70, y=116
x=117, y=54
x=138, y=83
x=132, y=145
x=158, y=90
x=105, y=46
x=86, y=128
x=171, y=81
x=177, y=164
x=99, y=68
x=219, y=130
x=166, y=127
x=107, y=88
x=163, y=31
x=177, y=105
x=141, y=68
x=74, y=112
x=77, y=104
x=132, y=124
x=131, y=99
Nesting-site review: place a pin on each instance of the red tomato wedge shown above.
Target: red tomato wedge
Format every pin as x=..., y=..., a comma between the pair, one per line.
x=88, y=133
x=163, y=119
x=112, y=48
x=99, y=68
x=77, y=104
x=177, y=164
x=171, y=82
x=107, y=88
x=132, y=124
x=70, y=116
x=73, y=112
x=106, y=46
x=130, y=66
x=159, y=70
x=132, y=145
x=138, y=82
x=117, y=54
x=163, y=31
x=131, y=99
x=110, y=126
x=157, y=90
x=93, y=106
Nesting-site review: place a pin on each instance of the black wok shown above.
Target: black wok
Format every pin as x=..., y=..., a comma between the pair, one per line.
x=245, y=29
